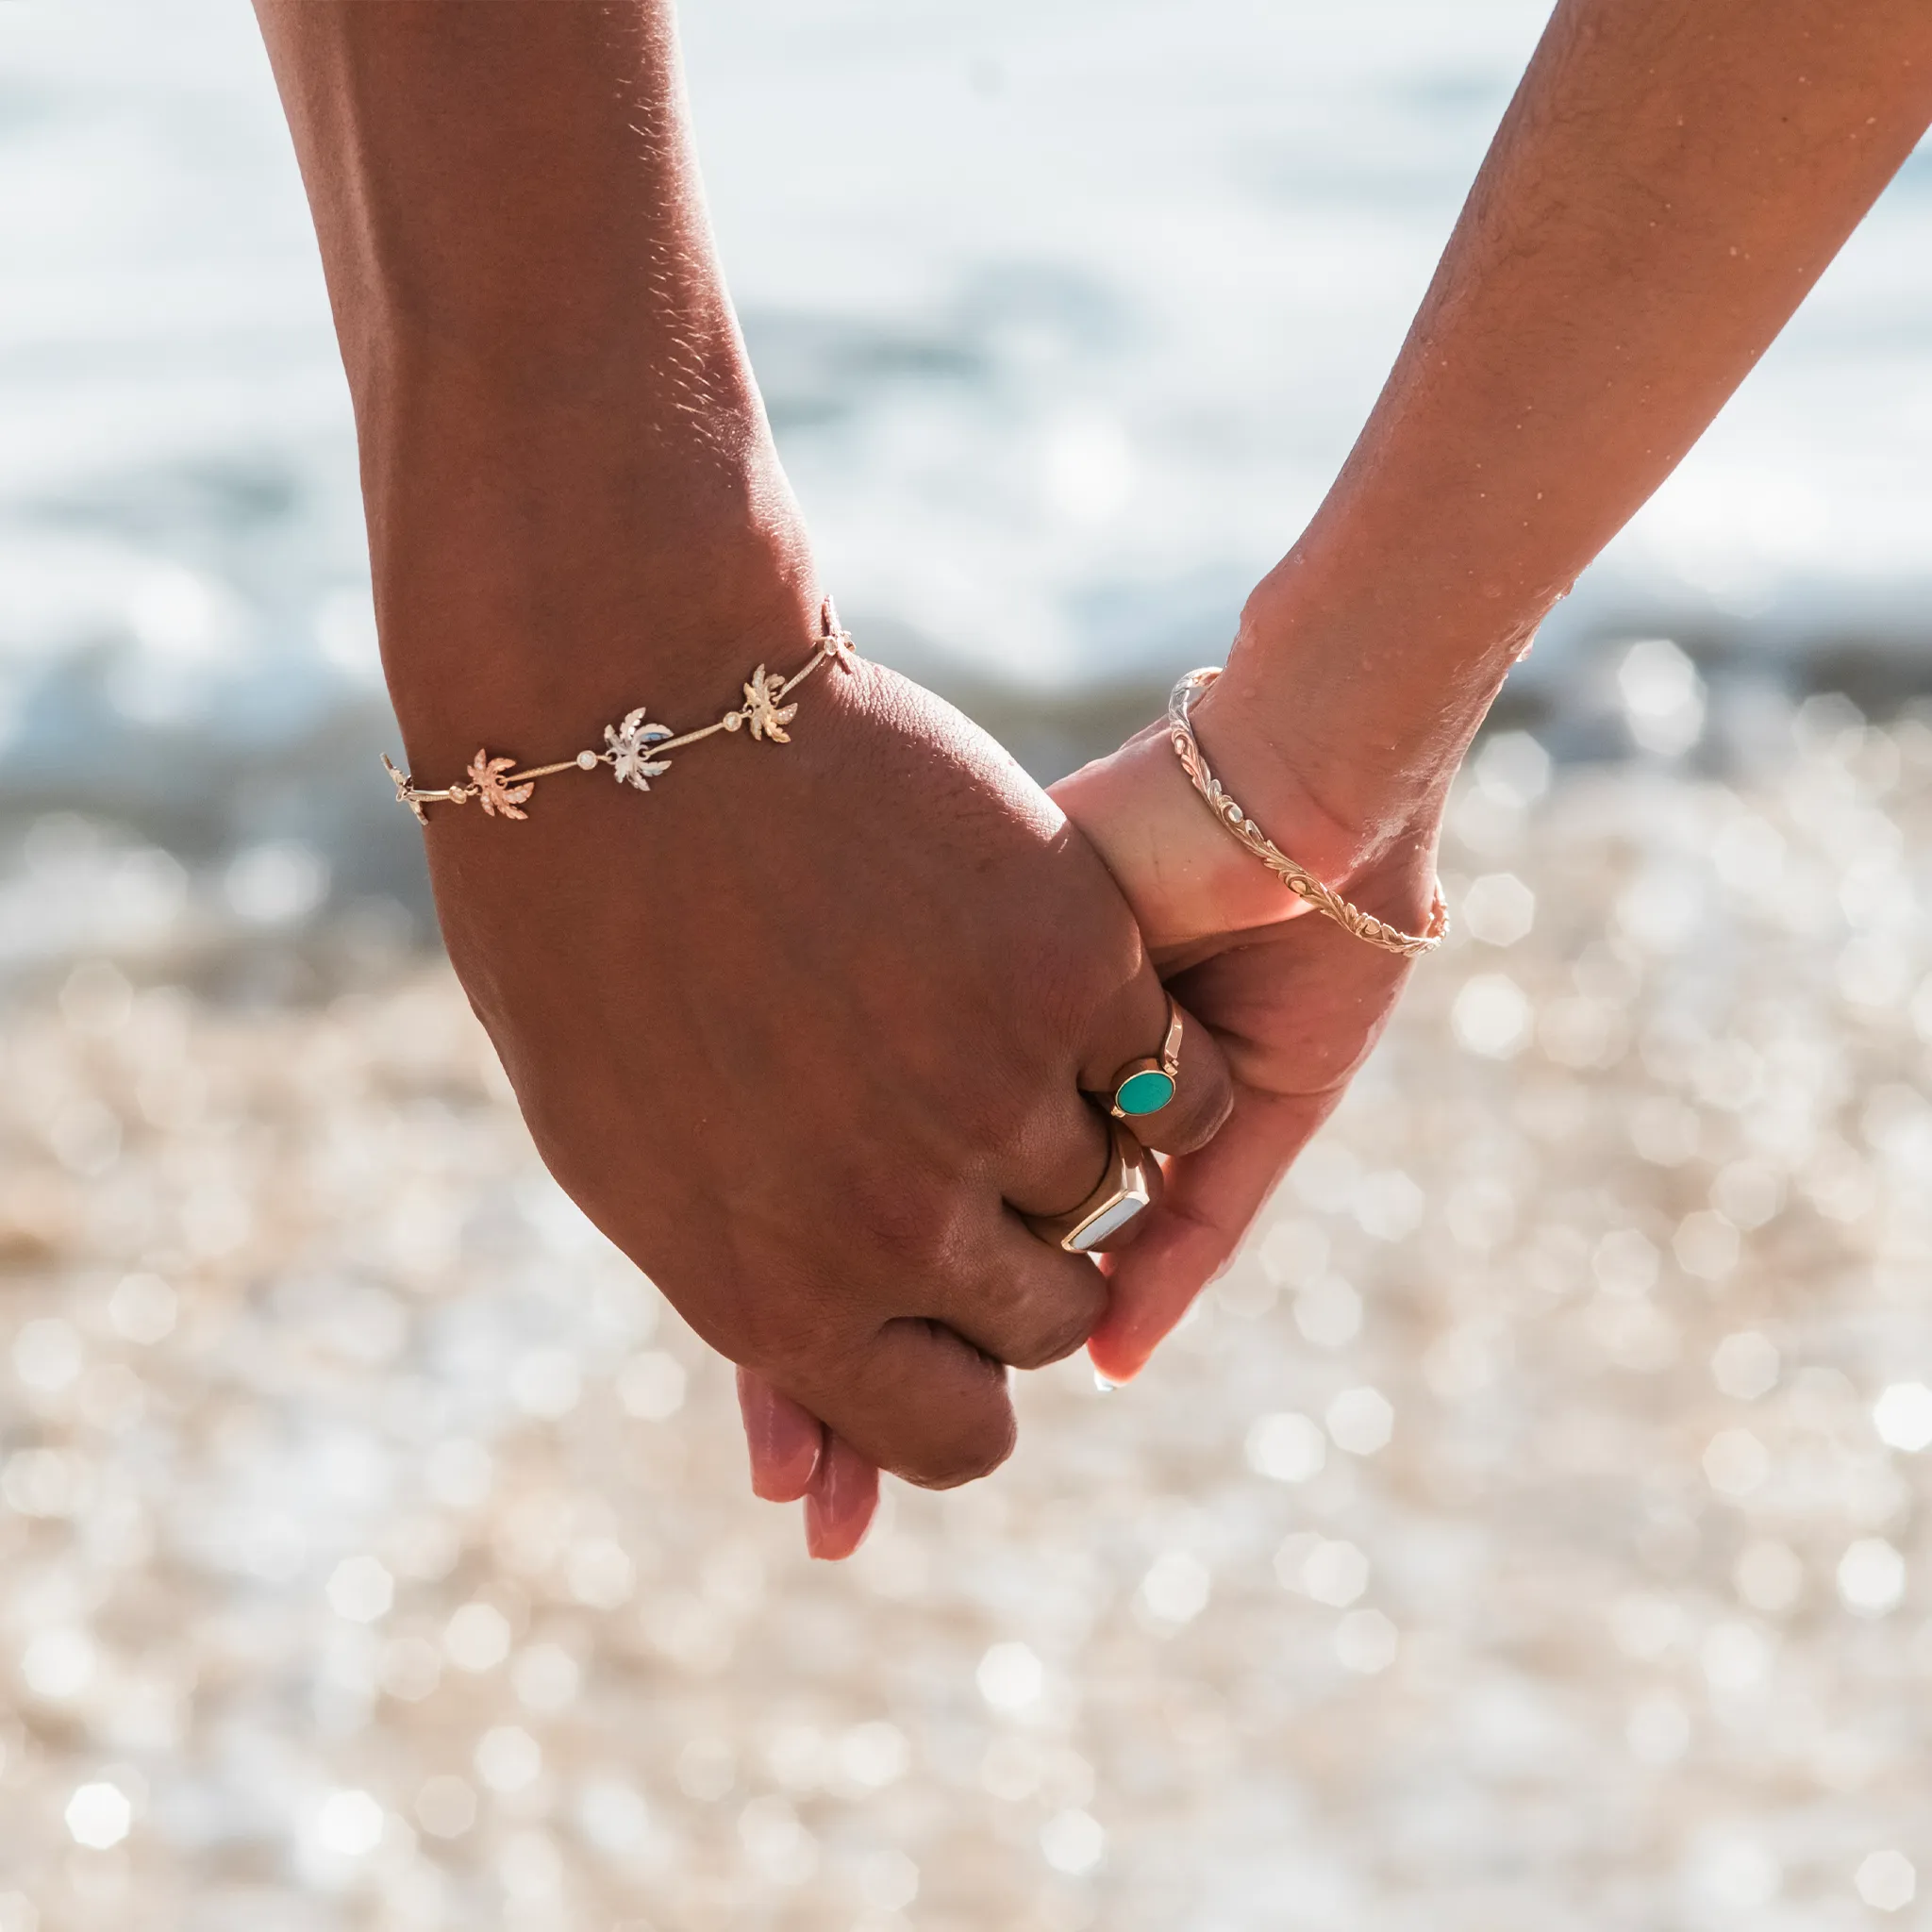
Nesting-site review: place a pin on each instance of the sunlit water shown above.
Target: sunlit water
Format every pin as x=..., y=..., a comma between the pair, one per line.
x=1066, y=314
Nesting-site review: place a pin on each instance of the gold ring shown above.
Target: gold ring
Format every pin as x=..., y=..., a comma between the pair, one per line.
x=1130, y=1185
x=1145, y=1086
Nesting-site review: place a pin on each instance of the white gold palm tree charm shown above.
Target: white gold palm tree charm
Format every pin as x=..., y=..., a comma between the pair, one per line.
x=405, y=791
x=630, y=750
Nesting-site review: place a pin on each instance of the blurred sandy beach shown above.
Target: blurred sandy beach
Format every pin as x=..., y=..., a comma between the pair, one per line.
x=1523, y=1535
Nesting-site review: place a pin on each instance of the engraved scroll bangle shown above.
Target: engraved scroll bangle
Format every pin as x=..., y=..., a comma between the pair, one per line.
x=1297, y=878
x=636, y=749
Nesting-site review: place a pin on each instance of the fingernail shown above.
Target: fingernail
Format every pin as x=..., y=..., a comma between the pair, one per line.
x=785, y=1440
x=1121, y=1368
x=839, y=1505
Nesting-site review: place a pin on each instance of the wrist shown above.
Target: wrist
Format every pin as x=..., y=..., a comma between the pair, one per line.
x=1346, y=706
x=1188, y=880
x=536, y=572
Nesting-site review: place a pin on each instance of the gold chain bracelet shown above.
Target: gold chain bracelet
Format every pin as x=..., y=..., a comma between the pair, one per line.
x=1297, y=878
x=635, y=749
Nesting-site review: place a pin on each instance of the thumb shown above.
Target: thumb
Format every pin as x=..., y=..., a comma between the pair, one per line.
x=1211, y=1197
x=1183, y=877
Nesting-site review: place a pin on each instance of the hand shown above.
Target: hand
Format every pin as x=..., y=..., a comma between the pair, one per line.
x=803, y=1031
x=1293, y=1002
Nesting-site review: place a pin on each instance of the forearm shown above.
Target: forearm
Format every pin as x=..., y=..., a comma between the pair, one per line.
x=1669, y=180
x=567, y=472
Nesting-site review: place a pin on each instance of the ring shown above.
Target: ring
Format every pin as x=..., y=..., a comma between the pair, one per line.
x=1130, y=1185
x=1145, y=1086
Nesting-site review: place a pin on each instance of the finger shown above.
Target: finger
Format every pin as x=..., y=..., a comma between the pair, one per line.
x=1211, y=1198
x=840, y=1505
x=1029, y=1302
x=1019, y=1296
x=1131, y=1042
x=1059, y=1157
x=787, y=1442
x=792, y=1454
x=917, y=1400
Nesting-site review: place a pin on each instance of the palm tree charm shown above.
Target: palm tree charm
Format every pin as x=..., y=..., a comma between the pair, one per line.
x=630, y=755
x=835, y=641
x=762, y=712
x=405, y=790
x=486, y=777
x=636, y=750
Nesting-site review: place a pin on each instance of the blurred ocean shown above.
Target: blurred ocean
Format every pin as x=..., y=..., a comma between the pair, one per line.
x=1065, y=315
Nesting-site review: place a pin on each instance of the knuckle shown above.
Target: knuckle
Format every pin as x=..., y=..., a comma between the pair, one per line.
x=989, y=1101
x=777, y=1328
x=1202, y=1116
x=912, y=1223
x=963, y=1456
x=1075, y=975
x=1057, y=1332
x=1202, y=1106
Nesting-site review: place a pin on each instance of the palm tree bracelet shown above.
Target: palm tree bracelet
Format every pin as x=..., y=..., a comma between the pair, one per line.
x=636, y=750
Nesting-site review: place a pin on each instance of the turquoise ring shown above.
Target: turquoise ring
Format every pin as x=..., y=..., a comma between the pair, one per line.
x=1143, y=1087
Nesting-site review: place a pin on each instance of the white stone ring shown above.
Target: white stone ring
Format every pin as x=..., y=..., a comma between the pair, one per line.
x=1130, y=1186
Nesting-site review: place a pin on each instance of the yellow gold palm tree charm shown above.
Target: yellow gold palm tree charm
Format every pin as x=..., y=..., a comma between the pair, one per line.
x=762, y=712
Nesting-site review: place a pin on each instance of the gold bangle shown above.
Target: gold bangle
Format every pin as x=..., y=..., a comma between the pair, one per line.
x=1297, y=878
x=635, y=749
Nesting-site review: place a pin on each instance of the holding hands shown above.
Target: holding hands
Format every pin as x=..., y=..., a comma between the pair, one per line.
x=822, y=1030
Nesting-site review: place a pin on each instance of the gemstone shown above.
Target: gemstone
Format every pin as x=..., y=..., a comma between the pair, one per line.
x=1146, y=1092
x=586, y=760
x=1110, y=1220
